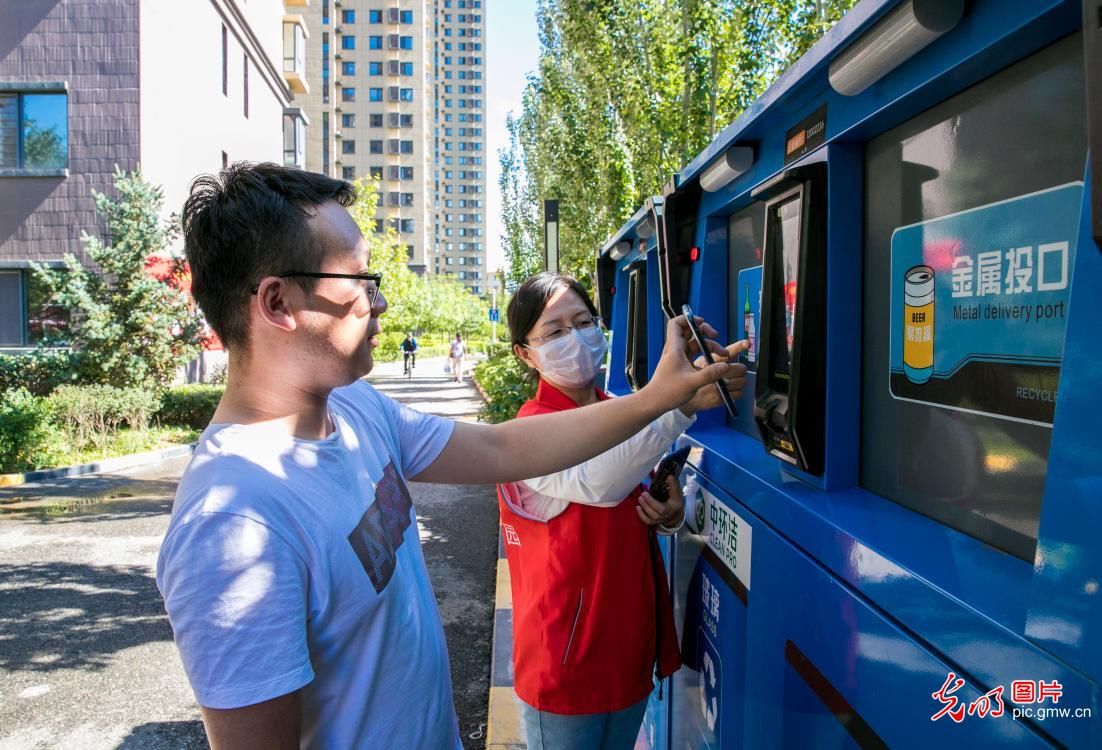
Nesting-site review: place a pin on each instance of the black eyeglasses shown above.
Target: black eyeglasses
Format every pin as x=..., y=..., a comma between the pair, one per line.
x=372, y=291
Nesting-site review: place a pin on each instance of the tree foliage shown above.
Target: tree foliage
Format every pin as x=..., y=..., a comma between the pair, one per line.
x=129, y=328
x=423, y=304
x=627, y=92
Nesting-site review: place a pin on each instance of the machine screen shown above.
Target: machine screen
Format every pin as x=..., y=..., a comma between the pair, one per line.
x=785, y=220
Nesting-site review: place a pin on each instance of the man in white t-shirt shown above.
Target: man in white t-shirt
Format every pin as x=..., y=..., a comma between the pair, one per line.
x=292, y=571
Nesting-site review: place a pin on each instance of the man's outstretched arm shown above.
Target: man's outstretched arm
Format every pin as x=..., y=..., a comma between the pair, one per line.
x=536, y=446
x=271, y=725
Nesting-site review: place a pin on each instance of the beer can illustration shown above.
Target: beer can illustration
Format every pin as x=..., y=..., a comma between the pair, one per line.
x=918, y=323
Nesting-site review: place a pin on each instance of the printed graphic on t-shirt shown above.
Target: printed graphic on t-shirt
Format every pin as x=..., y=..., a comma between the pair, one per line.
x=380, y=532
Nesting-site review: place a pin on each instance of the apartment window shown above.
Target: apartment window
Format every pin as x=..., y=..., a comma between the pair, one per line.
x=348, y=173
x=392, y=41
x=348, y=120
x=376, y=121
x=34, y=130
x=348, y=16
x=406, y=173
x=245, y=66
x=407, y=68
x=407, y=147
x=393, y=146
x=348, y=147
x=348, y=94
x=392, y=93
x=407, y=199
x=375, y=94
x=405, y=225
x=407, y=16
x=392, y=67
x=375, y=68
x=374, y=16
x=375, y=42
x=324, y=143
x=225, y=61
x=376, y=173
x=406, y=42
x=348, y=41
x=406, y=95
x=26, y=317
x=348, y=68
x=392, y=15
x=325, y=12
x=375, y=147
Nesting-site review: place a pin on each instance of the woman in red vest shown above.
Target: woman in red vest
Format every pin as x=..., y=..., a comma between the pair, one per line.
x=592, y=617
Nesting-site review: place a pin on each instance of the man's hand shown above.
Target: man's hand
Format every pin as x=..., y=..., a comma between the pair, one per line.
x=708, y=397
x=675, y=380
x=668, y=514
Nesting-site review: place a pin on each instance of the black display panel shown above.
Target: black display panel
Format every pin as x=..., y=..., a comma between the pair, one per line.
x=636, y=367
x=678, y=236
x=988, y=151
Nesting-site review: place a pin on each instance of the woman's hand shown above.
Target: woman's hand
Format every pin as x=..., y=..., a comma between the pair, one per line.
x=668, y=514
x=735, y=379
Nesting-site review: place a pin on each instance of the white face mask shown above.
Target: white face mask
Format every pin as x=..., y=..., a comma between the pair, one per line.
x=574, y=360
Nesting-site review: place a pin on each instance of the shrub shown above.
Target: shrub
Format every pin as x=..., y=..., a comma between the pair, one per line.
x=39, y=371
x=26, y=437
x=90, y=414
x=189, y=405
x=502, y=377
x=134, y=329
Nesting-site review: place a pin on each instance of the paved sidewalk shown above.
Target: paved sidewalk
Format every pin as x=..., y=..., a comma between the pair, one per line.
x=86, y=652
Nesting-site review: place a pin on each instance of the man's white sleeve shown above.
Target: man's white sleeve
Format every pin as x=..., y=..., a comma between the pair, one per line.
x=236, y=596
x=606, y=480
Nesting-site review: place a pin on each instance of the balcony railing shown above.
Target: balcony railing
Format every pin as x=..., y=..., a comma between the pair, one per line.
x=294, y=54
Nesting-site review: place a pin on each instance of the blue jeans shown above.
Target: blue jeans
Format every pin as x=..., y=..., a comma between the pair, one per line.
x=612, y=731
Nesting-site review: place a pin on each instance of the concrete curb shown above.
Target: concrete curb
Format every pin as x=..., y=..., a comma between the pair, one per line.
x=504, y=729
x=97, y=467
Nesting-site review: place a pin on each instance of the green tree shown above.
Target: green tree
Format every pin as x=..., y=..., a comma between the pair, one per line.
x=414, y=303
x=626, y=93
x=129, y=328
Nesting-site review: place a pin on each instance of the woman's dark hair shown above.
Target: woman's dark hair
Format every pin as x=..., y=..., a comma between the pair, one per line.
x=527, y=304
x=248, y=222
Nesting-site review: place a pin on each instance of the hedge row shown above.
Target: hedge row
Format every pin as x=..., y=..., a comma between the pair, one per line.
x=35, y=429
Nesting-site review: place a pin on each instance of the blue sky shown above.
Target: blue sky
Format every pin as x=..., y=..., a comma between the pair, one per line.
x=512, y=52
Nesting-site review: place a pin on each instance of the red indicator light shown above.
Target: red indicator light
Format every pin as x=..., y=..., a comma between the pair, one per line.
x=694, y=254
x=612, y=290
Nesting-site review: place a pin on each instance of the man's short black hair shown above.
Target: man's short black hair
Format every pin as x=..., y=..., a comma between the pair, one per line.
x=248, y=222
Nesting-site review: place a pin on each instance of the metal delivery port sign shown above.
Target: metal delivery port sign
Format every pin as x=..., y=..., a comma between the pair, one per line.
x=979, y=306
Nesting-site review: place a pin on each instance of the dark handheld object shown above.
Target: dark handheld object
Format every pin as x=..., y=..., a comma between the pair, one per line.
x=671, y=465
x=724, y=394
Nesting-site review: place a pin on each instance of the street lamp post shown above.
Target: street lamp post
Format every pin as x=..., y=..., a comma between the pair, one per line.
x=551, y=235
